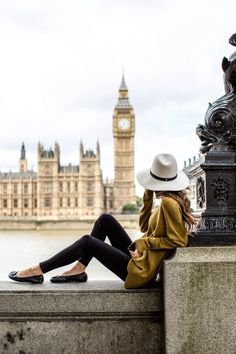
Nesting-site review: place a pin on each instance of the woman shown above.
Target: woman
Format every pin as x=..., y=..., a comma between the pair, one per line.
x=136, y=263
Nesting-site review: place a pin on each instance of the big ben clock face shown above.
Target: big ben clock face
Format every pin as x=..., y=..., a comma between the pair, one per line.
x=123, y=124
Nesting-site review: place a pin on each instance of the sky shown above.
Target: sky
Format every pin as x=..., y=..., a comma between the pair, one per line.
x=61, y=66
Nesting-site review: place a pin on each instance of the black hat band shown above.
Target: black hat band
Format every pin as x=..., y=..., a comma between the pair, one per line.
x=161, y=178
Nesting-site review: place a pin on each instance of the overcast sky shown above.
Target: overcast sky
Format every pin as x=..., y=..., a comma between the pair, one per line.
x=61, y=66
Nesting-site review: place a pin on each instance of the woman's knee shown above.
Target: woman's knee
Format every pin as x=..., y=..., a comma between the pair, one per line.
x=83, y=240
x=105, y=217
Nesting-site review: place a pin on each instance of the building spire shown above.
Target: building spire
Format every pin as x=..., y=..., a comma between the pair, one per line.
x=23, y=161
x=123, y=98
x=81, y=149
x=98, y=149
x=123, y=86
x=23, y=152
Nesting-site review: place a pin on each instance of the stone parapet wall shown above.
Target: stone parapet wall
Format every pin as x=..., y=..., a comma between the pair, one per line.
x=96, y=317
x=12, y=223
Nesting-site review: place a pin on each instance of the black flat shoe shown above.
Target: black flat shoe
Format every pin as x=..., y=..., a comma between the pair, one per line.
x=36, y=279
x=80, y=278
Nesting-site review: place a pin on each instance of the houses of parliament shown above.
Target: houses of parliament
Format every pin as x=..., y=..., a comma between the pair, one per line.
x=70, y=192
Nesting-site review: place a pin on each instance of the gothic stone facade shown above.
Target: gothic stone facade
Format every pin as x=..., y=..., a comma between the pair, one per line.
x=69, y=192
x=197, y=183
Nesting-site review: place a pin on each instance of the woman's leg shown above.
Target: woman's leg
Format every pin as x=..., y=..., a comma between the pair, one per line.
x=106, y=225
x=86, y=248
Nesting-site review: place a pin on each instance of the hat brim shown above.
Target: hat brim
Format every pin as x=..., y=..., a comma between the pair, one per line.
x=147, y=181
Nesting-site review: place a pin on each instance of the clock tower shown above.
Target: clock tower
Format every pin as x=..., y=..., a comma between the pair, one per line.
x=123, y=134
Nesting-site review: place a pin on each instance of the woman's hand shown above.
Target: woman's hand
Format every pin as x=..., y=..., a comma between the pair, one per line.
x=134, y=253
x=148, y=191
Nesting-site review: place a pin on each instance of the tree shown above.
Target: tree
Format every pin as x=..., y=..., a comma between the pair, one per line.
x=130, y=208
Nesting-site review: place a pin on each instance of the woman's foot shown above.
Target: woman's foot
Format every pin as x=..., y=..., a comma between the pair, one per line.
x=32, y=275
x=77, y=269
x=36, y=279
x=30, y=272
x=79, y=278
x=75, y=274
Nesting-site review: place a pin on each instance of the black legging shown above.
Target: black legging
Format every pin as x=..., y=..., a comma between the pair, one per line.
x=115, y=257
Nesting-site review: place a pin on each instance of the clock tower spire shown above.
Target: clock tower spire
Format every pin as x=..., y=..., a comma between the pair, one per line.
x=123, y=134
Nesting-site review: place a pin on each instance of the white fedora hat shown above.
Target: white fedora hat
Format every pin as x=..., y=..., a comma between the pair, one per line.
x=163, y=175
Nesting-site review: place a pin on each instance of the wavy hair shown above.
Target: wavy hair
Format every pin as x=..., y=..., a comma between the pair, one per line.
x=184, y=202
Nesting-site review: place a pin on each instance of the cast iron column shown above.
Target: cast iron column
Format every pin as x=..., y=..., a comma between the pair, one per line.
x=218, y=136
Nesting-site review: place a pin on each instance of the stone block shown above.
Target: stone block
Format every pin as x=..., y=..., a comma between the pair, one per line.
x=200, y=301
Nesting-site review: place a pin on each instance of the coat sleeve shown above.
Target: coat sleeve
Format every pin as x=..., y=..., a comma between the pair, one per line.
x=146, y=210
x=176, y=235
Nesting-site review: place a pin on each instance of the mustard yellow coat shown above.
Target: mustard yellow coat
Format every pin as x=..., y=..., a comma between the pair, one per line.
x=164, y=229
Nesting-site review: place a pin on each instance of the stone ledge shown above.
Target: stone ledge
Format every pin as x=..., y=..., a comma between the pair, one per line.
x=203, y=254
x=95, y=298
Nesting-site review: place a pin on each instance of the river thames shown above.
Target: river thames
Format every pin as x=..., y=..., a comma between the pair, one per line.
x=22, y=249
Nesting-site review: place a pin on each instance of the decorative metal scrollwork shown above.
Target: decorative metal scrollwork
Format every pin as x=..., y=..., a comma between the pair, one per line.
x=200, y=188
x=220, y=189
x=217, y=224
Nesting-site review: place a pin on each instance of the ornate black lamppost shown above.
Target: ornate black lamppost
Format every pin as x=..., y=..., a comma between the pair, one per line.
x=218, y=136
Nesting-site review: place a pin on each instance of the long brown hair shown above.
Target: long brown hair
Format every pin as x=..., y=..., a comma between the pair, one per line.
x=184, y=202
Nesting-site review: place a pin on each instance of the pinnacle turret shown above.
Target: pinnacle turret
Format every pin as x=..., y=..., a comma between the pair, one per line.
x=23, y=161
x=23, y=152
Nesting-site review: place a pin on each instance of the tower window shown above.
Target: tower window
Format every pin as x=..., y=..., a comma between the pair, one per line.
x=89, y=186
x=4, y=203
x=25, y=188
x=47, y=203
x=15, y=203
x=68, y=186
x=89, y=202
x=5, y=188
x=26, y=203
x=47, y=187
x=89, y=168
x=61, y=187
x=15, y=188
x=61, y=202
x=76, y=186
x=47, y=169
x=68, y=202
x=35, y=203
x=76, y=202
